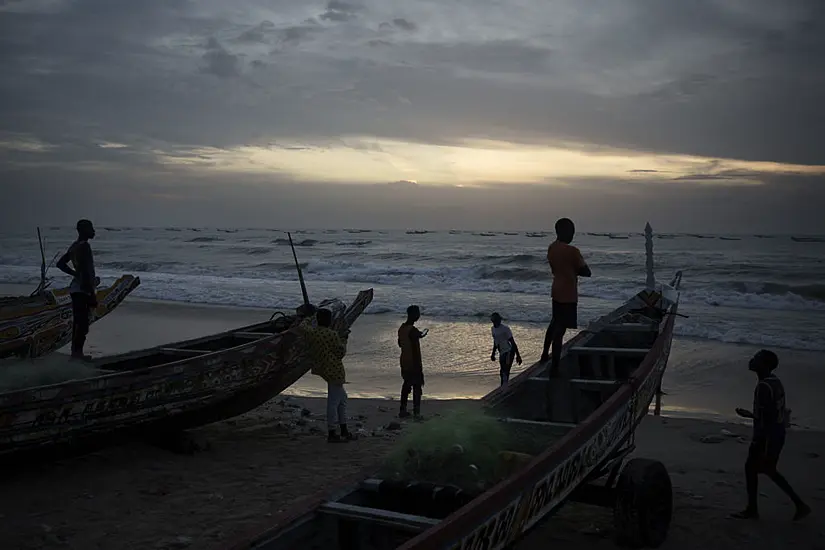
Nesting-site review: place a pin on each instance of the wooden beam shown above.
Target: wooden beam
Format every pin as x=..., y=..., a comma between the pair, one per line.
x=181, y=351
x=622, y=327
x=632, y=327
x=408, y=522
x=608, y=351
x=253, y=335
x=538, y=423
x=595, y=381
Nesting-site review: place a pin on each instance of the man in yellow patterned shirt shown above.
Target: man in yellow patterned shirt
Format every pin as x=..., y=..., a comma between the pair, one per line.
x=328, y=350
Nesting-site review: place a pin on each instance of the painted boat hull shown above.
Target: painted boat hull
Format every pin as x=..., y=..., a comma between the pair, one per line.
x=161, y=398
x=33, y=327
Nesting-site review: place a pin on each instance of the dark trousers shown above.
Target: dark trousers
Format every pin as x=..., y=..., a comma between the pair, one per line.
x=763, y=456
x=80, y=321
x=405, y=395
x=505, y=361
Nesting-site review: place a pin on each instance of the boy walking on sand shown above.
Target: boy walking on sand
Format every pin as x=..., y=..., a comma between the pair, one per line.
x=412, y=370
x=505, y=344
x=328, y=350
x=567, y=265
x=770, y=420
x=83, y=286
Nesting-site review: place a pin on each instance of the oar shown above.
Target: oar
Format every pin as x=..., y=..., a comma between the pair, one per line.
x=300, y=273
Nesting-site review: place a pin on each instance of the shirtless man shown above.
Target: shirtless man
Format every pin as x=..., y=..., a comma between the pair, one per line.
x=82, y=288
x=567, y=265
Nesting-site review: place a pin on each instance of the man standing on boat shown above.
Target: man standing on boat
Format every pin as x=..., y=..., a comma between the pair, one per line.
x=505, y=344
x=567, y=265
x=770, y=421
x=328, y=350
x=82, y=288
x=412, y=370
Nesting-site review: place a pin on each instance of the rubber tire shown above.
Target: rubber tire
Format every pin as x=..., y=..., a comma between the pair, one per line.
x=644, y=504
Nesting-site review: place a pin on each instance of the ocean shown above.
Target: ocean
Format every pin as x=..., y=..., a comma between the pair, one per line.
x=766, y=290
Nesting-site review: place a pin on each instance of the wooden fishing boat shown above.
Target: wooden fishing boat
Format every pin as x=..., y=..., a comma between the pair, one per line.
x=166, y=389
x=574, y=449
x=40, y=324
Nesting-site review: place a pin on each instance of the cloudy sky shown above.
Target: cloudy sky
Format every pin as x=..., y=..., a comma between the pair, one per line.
x=700, y=115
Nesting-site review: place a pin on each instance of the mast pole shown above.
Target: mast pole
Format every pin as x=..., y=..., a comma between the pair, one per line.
x=651, y=278
x=42, y=285
x=300, y=273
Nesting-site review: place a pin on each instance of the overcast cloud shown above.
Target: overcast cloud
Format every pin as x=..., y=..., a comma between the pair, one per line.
x=207, y=112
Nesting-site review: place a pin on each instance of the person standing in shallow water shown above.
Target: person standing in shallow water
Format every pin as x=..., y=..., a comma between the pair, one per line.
x=83, y=286
x=770, y=421
x=505, y=344
x=567, y=265
x=412, y=371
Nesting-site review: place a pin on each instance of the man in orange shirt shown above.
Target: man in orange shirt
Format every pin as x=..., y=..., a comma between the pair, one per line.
x=567, y=265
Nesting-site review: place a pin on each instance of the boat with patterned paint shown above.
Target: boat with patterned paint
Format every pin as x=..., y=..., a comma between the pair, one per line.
x=165, y=389
x=33, y=326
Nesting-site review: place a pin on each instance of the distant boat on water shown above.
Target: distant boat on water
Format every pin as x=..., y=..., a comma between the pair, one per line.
x=729, y=239
x=417, y=232
x=808, y=239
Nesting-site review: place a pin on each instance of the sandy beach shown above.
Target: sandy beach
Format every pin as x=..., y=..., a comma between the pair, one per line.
x=138, y=496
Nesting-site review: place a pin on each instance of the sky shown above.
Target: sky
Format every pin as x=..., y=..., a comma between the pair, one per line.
x=480, y=114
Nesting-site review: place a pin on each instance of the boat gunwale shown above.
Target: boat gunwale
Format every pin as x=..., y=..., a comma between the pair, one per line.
x=142, y=370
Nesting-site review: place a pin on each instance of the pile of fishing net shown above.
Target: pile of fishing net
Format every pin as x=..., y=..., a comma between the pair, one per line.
x=465, y=448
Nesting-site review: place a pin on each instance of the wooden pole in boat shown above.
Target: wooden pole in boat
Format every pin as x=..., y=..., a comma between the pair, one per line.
x=651, y=278
x=42, y=263
x=651, y=285
x=300, y=273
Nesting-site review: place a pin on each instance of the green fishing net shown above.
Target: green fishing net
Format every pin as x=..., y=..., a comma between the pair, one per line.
x=465, y=448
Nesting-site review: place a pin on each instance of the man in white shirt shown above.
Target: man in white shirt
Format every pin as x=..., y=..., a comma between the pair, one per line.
x=505, y=344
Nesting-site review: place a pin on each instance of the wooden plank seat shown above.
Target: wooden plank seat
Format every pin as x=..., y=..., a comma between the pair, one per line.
x=581, y=381
x=621, y=327
x=511, y=420
x=186, y=352
x=252, y=335
x=352, y=512
x=586, y=350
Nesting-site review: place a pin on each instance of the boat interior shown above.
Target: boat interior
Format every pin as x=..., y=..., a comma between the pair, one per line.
x=385, y=513
x=178, y=351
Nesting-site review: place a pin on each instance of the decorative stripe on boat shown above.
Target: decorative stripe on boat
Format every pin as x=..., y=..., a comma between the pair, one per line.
x=407, y=522
x=252, y=334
